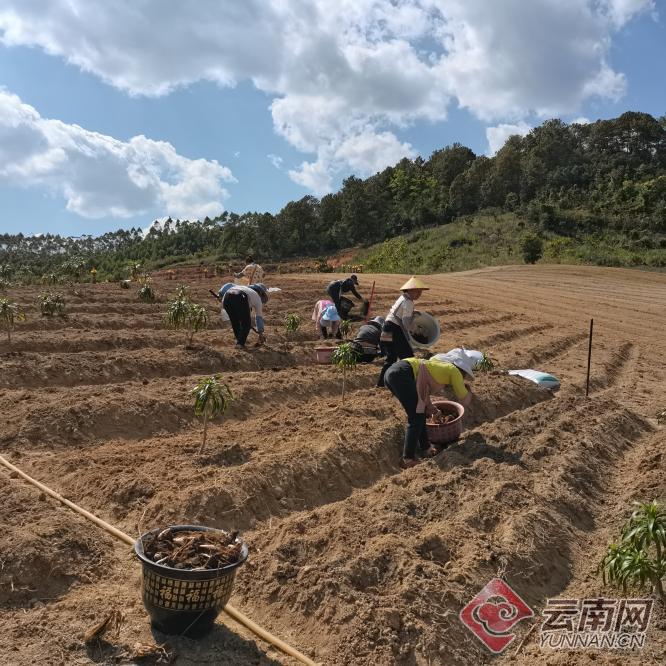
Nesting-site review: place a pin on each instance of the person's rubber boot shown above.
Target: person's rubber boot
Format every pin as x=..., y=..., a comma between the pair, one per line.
x=408, y=463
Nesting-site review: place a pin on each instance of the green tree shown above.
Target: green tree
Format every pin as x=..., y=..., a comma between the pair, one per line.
x=532, y=248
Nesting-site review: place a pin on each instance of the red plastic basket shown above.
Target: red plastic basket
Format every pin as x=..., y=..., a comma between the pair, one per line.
x=323, y=355
x=447, y=432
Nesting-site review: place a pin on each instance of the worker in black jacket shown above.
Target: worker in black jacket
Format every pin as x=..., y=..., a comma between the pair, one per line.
x=337, y=288
x=366, y=342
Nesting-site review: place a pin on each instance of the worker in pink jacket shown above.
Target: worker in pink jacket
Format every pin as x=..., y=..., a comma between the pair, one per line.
x=326, y=319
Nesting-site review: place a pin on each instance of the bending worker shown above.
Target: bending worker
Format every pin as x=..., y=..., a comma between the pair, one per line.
x=326, y=319
x=239, y=302
x=366, y=342
x=395, y=332
x=339, y=287
x=412, y=381
x=252, y=271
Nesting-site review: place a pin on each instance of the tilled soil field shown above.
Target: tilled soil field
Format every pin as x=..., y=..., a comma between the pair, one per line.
x=352, y=560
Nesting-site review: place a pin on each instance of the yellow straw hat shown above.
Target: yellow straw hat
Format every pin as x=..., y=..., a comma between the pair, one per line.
x=413, y=283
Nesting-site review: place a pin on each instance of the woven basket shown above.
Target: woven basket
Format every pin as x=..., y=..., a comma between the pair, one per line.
x=447, y=432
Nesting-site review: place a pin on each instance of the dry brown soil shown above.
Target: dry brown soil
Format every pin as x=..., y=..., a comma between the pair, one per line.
x=351, y=559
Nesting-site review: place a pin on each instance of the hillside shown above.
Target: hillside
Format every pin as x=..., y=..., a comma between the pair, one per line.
x=595, y=192
x=476, y=241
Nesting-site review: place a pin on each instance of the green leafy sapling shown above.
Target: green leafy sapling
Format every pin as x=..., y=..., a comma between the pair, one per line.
x=51, y=305
x=212, y=397
x=345, y=328
x=639, y=558
x=10, y=313
x=345, y=357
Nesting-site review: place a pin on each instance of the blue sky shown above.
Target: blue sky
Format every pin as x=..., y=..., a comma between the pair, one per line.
x=271, y=106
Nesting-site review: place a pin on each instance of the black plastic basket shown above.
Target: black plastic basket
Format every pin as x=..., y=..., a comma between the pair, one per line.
x=346, y=305
x=181, y=601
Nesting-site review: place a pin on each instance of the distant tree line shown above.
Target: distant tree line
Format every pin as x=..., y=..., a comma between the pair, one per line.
x=565, y=179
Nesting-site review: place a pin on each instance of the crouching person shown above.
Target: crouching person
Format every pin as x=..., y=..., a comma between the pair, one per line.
x=366, y=342
x=412, y=381
x=326, y=319
x=240, y=302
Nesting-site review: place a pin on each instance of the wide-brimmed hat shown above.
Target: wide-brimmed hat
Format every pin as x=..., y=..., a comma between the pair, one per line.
x=330, y=314
x=461, y=360
x=413, y=283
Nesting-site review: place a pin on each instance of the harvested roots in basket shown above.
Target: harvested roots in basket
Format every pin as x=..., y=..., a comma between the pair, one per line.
x=193, y=550
x=440, y=419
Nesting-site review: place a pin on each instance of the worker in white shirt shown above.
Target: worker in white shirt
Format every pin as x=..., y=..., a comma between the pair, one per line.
x=239, y=302
x=395, y=338
x=252, y=271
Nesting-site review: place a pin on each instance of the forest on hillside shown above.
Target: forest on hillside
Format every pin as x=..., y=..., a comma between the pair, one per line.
x=569, y=180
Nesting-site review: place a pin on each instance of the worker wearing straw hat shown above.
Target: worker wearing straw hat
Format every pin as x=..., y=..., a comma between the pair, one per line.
x=395, y=335
x=412, y=381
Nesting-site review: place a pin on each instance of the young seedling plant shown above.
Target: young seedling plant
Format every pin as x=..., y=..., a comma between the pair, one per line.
x=9, y=314
x=485, y=364
x=146, y=293
x=291, y=324
x=51, y=305
x=212, y=397
x=345, y=357
x=183, y=314
x=197, y=320
x=345, y=328
x=639, y=559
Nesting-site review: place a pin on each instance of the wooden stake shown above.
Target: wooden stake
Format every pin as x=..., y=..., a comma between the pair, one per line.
x=589, y=360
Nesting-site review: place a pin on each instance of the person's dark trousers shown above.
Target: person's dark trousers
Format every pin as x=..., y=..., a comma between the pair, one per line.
x=400, y=381
x=334, y=294
x=399, y=348
x=324, y=332
x=237, y=306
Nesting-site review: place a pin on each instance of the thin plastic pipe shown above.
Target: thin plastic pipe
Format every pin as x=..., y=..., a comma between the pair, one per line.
x=114, y=531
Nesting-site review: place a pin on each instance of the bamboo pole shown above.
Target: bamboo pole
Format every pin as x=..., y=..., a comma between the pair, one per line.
x=114, y=531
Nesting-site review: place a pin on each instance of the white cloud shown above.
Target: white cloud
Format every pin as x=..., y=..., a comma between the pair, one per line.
x=315, y=176
x=581, y=120
x=369, y=152
x=346, y=74
x=498, y=135
x=102, y=176
x=622, y=11
x=275, y=160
